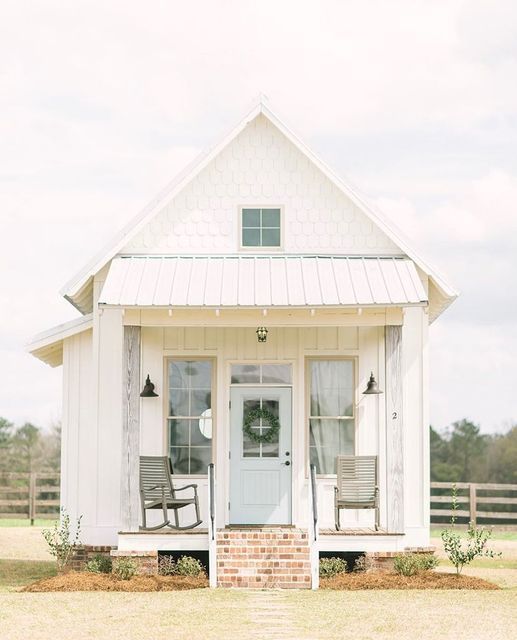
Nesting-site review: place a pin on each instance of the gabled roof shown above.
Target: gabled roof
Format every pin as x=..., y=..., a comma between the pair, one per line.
x=78, y=290
x=48, y=345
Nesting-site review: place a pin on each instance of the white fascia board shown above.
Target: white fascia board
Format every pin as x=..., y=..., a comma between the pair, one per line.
x=169, y=192
x=375, y=216
x=60, y=332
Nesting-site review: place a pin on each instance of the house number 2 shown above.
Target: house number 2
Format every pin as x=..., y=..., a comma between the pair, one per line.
x=394, y=415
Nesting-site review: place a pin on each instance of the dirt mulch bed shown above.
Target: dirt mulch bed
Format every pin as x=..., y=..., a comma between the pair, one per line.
x=425, y=580
x=84, y=581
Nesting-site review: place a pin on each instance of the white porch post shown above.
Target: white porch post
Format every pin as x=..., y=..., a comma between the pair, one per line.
x=129, y=473
x=394, y=430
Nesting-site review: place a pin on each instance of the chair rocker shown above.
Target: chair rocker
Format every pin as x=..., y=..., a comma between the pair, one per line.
x=357, y=486
x=157, y=491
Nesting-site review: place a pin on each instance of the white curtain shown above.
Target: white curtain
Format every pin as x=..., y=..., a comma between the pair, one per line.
x=331, y=396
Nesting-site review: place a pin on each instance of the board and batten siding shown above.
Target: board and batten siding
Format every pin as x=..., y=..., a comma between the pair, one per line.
x=415, y=368
x=295, y=345
x=95, y=443
x=78, y=443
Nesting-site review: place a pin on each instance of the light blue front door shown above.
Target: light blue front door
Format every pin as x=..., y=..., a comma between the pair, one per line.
x=260, y=473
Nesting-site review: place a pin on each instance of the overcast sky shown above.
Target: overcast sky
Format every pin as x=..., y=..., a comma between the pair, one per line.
x=415, y=103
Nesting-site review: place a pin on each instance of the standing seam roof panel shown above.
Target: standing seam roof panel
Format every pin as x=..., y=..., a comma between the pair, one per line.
x=261, y=281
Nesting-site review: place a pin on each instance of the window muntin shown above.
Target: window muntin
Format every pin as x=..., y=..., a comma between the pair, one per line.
x=261, y=227
x=331, y=412
x=190, y=415
x=251, y=449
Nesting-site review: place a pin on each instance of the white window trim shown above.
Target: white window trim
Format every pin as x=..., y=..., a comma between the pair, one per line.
x=261, y=249
x=170, y=357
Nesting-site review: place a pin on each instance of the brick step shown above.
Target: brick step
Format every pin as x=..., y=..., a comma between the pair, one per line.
x=263, y=558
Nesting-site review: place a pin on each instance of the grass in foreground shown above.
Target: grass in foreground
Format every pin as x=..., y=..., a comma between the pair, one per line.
x=182, y=615
x=303, y=615
x=19, y=573
x=25, y=522
x=496, y=533
x=403, y=615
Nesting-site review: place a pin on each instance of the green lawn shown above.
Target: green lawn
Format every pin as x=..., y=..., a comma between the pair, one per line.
x=239, y=615
x=18, y=573
x=25, y=522
x=497, y=534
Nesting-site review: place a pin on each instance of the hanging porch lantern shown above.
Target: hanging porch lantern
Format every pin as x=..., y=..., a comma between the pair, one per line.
x=261, y=334
x=372, y=388
x=148, y=390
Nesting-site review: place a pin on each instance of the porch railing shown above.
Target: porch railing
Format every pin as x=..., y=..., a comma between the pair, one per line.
x=212, y=530
x=313, y=529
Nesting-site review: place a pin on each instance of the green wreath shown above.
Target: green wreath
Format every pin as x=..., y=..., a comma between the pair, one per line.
x=265, y=436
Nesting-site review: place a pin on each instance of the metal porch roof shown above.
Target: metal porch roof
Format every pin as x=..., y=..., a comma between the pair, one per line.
x=261, y=281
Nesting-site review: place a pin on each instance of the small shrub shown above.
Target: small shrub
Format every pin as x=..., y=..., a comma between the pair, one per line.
x=99, y=564
x=61, y=540
x=125, y=568
x=188, y=566
x=363, y=564
x=462, y=552
x=428, y=561
x=166, y=566
x=409, y=564
x=330, y=567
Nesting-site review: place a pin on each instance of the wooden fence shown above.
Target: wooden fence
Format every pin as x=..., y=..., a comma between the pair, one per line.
x=36, y=496
x=29, y=495
x=494, y=504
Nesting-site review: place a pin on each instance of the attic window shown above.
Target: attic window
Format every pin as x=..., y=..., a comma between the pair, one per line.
x=260, y=228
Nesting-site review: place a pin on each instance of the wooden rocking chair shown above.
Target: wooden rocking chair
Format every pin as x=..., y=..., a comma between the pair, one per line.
x=157, y=491
x=357, y=486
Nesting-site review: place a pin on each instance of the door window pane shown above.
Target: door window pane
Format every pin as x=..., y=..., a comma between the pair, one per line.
x=190, y=415
x=276, y=374
x=250, y=448
x=261, y=374
x=245, y=374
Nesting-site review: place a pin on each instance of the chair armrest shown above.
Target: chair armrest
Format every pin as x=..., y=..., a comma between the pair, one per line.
x=187, y=486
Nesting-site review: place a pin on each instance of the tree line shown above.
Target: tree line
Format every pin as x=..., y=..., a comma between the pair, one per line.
x=460, y=453
x=29, y=448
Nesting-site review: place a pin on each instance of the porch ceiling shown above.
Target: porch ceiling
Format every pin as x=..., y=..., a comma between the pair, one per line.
x=261, y=281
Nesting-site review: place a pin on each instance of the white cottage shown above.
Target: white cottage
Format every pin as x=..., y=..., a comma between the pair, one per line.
x=258, y=293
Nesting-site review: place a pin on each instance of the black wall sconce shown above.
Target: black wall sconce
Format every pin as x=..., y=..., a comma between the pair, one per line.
x=261, y=334
x=372, y=388
x=148, y=390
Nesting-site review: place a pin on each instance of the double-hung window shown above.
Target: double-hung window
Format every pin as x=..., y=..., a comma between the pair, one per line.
x=331, y=412
x=190, y=415
x=261, y=227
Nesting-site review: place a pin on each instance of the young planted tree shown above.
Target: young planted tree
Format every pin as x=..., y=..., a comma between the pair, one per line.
x=462, y=551
x=61, y=540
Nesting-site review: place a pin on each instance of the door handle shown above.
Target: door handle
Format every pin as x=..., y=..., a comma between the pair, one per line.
x=287, y=463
